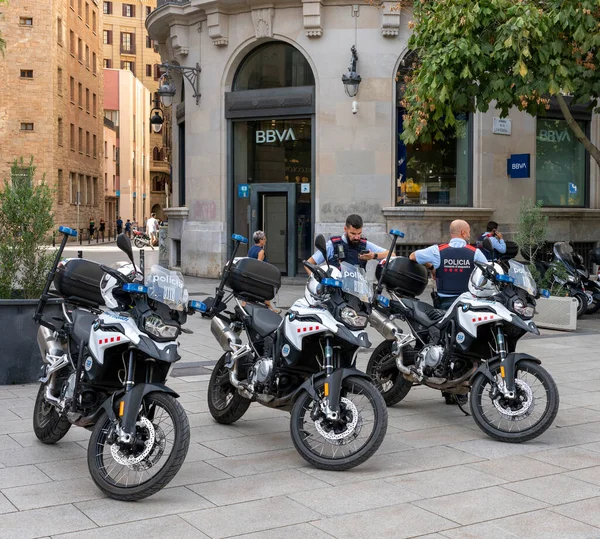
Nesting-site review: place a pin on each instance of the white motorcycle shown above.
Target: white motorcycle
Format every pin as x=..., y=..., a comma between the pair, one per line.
x=303, y=363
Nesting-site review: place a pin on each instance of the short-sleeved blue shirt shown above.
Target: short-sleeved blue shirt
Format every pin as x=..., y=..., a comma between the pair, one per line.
x=318, y=257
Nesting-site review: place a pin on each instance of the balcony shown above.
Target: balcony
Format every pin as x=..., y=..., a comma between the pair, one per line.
x=128, y=49
x=159, y=166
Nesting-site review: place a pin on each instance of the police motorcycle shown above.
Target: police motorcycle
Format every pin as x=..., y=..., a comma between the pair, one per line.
x=303, y=363
x=591, y=287
x=470, y=348
x=106, y=356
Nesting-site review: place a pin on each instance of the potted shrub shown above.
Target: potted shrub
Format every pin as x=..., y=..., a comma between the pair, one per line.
x=558, y=311
x=25, y=221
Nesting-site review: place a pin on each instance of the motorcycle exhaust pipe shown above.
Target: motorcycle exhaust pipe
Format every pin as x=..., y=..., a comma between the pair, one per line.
x=383, y=325
x=48, y=344
x=225, y=336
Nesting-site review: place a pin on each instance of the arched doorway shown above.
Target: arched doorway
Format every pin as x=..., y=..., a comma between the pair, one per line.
x=271, y=146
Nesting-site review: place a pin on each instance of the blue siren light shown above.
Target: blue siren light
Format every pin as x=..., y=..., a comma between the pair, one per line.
x=239, y=238
x=383, y=301
x=197, y=305
x=395, y=232
x=505, y=279
x=334, y=283
x=135, y=288
x=68, y=231
x=545, y=293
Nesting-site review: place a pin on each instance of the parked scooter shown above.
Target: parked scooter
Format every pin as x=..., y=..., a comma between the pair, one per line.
x=592, y=288
x=141, y=239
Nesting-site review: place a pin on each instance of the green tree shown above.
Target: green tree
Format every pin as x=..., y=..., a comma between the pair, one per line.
x=2, y=42
x=532, y=228
x=516, y=53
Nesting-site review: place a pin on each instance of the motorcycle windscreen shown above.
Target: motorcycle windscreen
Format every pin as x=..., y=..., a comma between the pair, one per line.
x=355, y=282
x=522, y=276
x=168, y=287
x=564, y=252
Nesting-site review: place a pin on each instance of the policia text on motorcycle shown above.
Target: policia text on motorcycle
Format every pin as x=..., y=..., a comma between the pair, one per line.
x=351, y=247
x=453, y=262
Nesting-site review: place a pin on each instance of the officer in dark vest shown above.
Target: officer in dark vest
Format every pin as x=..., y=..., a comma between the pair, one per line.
x=496, y=240
x=351, y=247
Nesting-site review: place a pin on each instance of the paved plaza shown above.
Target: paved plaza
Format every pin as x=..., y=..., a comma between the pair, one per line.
x=436, y=474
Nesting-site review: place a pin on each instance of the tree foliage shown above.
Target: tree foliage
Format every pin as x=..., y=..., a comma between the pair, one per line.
x=2, y=42
x=516, y=53
x=532, y=228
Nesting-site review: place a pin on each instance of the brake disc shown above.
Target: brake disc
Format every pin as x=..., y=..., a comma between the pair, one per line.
x=332, y=436
x=130, y=460
x=527, y=406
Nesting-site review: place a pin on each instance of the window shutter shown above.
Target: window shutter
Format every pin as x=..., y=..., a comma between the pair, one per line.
x=124, y=10
x=133, y=10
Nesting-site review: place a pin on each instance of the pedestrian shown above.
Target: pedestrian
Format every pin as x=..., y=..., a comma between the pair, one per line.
x=258, y=249
x=152, y=229
x=119, y=225
x=352, y=247
x=92, y=227
x=101, y=228
x=453, y=263
x=128, y=228
x=497, y=242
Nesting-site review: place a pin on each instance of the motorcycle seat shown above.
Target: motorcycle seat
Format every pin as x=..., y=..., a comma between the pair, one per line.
x=82, y=324
x=422, y=312
x=264, y=320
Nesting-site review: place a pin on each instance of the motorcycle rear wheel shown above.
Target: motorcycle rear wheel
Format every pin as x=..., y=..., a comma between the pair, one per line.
x=392, y=385
x=320, y=443
x=225, y=404
x=139, y=243
x=582, y=304
x=593, y=308
x=500, y=419
x=48, y=424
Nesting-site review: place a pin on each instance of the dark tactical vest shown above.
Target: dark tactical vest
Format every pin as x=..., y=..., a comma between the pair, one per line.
x=489, y=255
x=456, y=266
x=345, y=252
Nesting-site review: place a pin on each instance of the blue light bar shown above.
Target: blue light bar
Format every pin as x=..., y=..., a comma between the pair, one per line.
x=197, y=306
x=383, y=301
x=239, y=238
x=67, y=231
x=505, y=279
x=394, y=232
x=334, y=283
x=135, y=288
x=545, y=293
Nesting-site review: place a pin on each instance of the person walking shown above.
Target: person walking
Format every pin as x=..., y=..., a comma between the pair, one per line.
x=102, y=228
x=258, y=249
x=152, y=229
x=119, y=225
x=92, y=227
x=495, y=237
x=128, y=228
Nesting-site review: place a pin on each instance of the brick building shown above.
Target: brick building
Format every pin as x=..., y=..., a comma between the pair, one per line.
x=52, y=94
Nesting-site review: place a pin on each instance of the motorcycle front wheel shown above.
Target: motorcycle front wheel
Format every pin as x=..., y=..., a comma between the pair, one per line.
x=133, y=472
x=139, y=243
x=387, y=378
x=523, y=418
x=582, y=304
x=48, y=424
x=345, y=443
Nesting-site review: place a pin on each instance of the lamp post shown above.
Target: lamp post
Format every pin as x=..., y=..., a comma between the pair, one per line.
x=157, y=118
x=167, y=89
x=352, y=80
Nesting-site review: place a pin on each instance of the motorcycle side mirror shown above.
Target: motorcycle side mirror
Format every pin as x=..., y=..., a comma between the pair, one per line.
x=124, y=244
x=321, y=246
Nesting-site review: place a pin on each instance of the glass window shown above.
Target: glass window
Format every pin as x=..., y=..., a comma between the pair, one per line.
x=560, y=169
x=274, y=65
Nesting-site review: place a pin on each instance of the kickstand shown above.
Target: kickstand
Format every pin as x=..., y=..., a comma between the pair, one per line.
x=460, y=406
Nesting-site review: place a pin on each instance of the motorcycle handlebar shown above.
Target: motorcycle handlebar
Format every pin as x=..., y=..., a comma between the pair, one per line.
x=114, y=273
x=316, y=270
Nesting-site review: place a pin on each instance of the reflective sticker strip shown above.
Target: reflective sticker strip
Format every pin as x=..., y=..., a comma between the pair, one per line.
x=121, y=408
x=107, y=340
x=502, y=371
x=309, y=329
x=326, y=389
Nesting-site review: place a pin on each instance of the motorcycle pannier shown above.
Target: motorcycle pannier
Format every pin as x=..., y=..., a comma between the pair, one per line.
x=254, y=279
x=405, y=277
x=77, y=277
x=595, y=256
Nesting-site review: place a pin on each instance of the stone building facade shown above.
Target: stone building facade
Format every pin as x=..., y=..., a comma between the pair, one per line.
x=52, y=93
x=274, y=142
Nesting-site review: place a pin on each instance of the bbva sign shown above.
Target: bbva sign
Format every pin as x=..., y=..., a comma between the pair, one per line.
x=274, y=135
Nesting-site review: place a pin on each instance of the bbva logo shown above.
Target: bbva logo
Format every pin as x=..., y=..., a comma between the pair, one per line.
x=519, y=166
x=551, y=135
x=274, y=135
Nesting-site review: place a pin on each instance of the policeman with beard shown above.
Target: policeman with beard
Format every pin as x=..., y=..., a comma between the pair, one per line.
x=351, y=247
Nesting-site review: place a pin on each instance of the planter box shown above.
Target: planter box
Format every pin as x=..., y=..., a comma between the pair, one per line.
x=20, y=360
x=556, y=313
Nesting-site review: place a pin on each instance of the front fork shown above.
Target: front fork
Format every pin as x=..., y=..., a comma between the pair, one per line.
x=126, y=430
x=332, y=388
x=507, y=368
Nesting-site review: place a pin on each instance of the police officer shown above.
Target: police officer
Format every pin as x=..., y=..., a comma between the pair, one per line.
x=351, y=247
x=495, y=237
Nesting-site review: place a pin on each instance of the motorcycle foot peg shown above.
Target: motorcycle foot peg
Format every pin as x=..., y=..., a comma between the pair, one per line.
x=229, y=361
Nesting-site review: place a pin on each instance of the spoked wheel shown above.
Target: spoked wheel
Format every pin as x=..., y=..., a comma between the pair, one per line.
x=523, y=418
x=386, y=376
x=593, y=307
x=139, y=243
x=226, y=405
x=49, y=426
x=582, y=304
x=350, y=440
x=135, y=471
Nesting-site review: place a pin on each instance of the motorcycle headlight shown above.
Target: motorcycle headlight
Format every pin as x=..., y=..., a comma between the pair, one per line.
x=155, y=326
x=353, y=319
x=526, y=311
x=572, y=279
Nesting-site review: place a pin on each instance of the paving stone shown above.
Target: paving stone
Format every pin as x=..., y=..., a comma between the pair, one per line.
x=152, y=528
x=264, y=426
x=43, y=522
x=6, y=506
x=251, y=444
x=587, y=511
x=71, y=491
x=195, y=472
x=250, y=517
x=555, y=489
x=298, y=531
x=169, y=501
x=589, y=475
x=393, y=522
x=41, y=453
x=62, y=470
x=515, y=468
x=197, y=452
x=572, y=458
x=15, y=425
x=201, y=420
x=21, y=475
x=486, y=530
x=268, y=485
x=491, y=449
x=7, y=442
x=480, y=505
x=258, y=463
x=438, y=436
x=576, y=416
x=29, y=439
x=210, y=433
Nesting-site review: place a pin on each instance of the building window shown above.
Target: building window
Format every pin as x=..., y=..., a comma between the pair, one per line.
x=82, y=190
x=87, y=14
x=72, y=4
x=72, y=42
x=59, y=31
x=80, y=140
x=74, y=188
x=26, y=126
x=561, y=168
x=149, y=43
x=148, y=70
x=127, y=43
x=87, y=57
x=148, y=10
x=27, y=73
x=60, y=186
x=60, y=132
x=79, y=8
x=106, y=181
x=26, y=21
x=128, y=10
x=107, y=37
x=128, y=65
x=158, y=71
x=72, y=82
x=95, y=147
x=94, y=105
x=87, y=143
x=107, y=63
x=105, y=149
x=87, y=100
x=59, y=80
x=94, y=61
x=94, y=22
x=107, y=8
x=72, y=137
x=80, y=50
x=80, y=94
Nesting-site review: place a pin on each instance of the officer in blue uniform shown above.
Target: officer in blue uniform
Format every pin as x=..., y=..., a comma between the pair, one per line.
x=351, y=247
x=495, y=237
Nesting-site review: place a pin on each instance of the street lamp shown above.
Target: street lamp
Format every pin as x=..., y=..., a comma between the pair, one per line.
x=352, y=79
x=167, y=89
x=157, y=119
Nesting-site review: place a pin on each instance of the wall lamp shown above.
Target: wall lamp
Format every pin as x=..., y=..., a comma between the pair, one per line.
x=352, y=79
x=167, y=89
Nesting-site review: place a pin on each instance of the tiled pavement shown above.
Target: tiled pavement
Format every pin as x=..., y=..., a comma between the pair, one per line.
x=436, y=475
